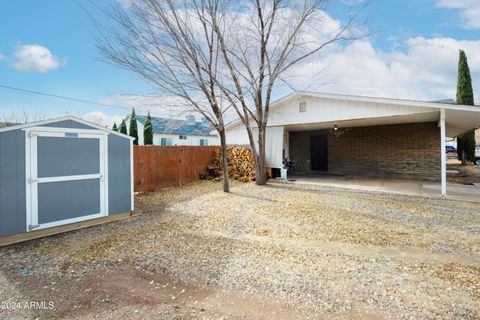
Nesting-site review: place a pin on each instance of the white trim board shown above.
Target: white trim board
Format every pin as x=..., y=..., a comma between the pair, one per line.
x=69, y=178
x=68, y=221
x=55, y=130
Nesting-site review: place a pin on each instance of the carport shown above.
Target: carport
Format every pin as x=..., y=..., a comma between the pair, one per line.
x=409, y=147
x=342, y=135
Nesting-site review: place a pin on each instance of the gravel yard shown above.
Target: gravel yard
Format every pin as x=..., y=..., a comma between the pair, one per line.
x=468, y=175
x=258, y=253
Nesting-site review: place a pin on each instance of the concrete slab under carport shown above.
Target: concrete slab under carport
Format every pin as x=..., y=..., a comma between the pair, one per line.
x=388, y=185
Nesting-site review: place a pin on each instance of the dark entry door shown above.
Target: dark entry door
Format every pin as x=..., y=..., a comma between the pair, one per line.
x=319, y=152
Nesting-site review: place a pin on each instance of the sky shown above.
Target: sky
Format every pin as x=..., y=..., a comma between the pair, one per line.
x=411, y=52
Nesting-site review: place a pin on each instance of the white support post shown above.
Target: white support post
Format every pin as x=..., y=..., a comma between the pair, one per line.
x=443, y=153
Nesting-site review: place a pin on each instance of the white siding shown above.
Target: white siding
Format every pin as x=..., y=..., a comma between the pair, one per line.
x=326, y=110
x=274, y=143
x=192, y=140
x=274, y=147
x=237, y=135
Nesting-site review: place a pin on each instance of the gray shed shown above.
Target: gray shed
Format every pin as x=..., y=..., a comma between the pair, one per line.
x=62, y=174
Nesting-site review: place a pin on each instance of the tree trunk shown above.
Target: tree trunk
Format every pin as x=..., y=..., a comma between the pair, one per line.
x=226, y=179
x=260, y=164
x=258, y=154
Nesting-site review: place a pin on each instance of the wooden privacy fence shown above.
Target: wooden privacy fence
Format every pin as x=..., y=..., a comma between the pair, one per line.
x=157, y=167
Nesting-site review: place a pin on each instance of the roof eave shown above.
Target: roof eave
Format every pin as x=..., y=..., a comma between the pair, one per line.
x=389, y=101
x=64, y=118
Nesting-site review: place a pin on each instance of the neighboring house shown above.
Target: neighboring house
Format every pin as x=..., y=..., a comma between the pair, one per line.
x=364, y=136
x=175, y=132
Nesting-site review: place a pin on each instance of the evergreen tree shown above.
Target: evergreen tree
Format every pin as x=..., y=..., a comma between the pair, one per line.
x=114, y=128
x=148, y=131
x=123, y=127
x=134, y=127
x=466, y=142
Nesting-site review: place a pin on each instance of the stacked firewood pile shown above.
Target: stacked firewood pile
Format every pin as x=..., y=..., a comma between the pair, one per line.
x=240, y=163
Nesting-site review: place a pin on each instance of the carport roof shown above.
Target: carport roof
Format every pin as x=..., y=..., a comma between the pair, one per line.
x=398, y=102
x=459, y=118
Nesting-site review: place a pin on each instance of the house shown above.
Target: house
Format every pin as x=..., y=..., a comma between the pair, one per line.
x=361, y=136
x=62, y=174
x=176, y=132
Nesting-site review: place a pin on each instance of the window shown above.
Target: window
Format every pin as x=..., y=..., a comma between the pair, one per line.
x=302, y=107
x=166, y=142
x=204, y=142
x=182, y=137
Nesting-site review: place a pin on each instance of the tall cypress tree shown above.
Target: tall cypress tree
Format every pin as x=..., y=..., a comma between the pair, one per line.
x=466, y=142
x=123, y=127
x=114, y=128
x=134, y=127
x=148, y=131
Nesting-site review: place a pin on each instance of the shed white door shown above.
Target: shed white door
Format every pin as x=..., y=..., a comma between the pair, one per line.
x=66, y=176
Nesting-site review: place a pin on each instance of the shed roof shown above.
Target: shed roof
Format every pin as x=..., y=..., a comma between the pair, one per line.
x=69, y=117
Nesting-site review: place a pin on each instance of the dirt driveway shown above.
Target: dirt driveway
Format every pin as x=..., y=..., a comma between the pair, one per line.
x=274, y=252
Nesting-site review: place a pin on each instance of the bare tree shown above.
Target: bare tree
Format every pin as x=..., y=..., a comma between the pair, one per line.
x=172, y=45
x=205, y=51
x=20, y=117
x=259, y=45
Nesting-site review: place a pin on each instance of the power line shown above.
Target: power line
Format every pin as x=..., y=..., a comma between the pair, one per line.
x=63, y=97
x=51, y=95
x=93, y=102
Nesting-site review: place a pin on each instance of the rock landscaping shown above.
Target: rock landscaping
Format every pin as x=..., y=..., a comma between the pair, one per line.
x=273, y=252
